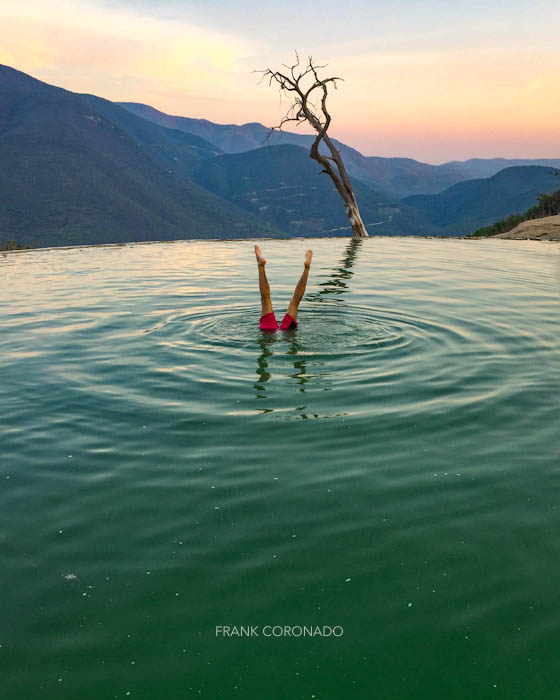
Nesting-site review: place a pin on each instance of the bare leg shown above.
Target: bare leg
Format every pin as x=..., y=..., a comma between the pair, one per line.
x=299, y=291
x=266, y=303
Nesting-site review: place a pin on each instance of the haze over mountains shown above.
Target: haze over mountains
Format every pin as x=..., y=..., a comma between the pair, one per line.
x=79, y=169
x=396, y=176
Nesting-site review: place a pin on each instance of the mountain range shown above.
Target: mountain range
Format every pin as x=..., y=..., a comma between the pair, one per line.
x=79, y=169
x=397, y=177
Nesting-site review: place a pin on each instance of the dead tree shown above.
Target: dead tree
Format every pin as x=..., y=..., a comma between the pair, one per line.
x=302, y=84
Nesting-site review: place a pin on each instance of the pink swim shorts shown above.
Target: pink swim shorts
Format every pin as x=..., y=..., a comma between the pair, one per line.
x=269, y=322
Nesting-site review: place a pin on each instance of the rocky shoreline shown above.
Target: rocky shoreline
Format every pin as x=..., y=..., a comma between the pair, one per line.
x=545, y=229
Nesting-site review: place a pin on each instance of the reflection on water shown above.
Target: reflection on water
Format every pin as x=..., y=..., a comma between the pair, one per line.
x=299, y=374
x=337, y=282
x=161, y=473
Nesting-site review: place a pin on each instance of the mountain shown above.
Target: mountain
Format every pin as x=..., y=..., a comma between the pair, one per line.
x=397, y=177
x=174, y=149
x=405, y=176
x=469, y=205
x=486, y=167
x=282, y=185
x=230, y=138
x=77, y=169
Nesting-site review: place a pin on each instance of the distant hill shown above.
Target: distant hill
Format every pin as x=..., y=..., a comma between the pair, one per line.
x=230, y=138
x=475, y=203
x=396, y=177
x=284, y=186
x=486, y=167
x=77, y=169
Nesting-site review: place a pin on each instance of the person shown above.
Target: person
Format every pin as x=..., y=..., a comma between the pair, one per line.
x=268, y=319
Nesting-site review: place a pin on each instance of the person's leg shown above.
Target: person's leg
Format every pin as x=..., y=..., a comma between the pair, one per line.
x=268, y=320
x=299, y=291
x=264, y=287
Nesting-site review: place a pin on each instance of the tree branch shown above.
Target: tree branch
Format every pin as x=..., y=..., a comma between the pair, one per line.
x=302, y=110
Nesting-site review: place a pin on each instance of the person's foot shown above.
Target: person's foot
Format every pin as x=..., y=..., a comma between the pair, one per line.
x=260, y=259
x=308, y=257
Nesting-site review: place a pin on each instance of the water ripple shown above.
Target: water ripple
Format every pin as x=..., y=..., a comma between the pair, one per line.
x=390, y=465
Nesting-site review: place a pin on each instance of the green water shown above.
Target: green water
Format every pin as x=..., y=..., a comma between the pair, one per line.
x=391, y=467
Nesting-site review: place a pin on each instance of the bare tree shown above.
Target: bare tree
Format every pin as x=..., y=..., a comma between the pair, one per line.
x=302, y=84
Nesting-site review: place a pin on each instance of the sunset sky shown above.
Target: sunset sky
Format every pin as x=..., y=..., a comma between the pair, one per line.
x=428, y=79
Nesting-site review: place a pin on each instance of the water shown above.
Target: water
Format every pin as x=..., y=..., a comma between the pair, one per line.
x=391, y=467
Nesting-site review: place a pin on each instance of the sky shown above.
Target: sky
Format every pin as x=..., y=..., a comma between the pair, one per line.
x=432, y=80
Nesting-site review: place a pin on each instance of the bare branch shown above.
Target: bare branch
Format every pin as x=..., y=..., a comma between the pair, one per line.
x=302, y=109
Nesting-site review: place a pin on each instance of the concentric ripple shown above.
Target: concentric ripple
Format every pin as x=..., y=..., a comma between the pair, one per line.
x=327, y=329
x=388, y=347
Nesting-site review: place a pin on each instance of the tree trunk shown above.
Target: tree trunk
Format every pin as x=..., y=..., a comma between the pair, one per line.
x=339, y=176
x=353, y=214
x=341, y=182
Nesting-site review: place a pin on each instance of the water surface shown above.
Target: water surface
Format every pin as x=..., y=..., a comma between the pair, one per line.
x=390, y=467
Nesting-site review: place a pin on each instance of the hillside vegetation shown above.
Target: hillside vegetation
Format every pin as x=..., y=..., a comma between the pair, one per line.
x=283, y=186
x=548, y=205
x=13, y=245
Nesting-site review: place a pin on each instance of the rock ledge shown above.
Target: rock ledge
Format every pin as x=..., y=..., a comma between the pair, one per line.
x=545, y=229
